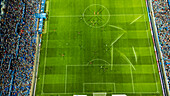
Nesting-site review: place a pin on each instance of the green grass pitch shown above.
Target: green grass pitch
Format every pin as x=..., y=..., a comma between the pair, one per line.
x=97, y=46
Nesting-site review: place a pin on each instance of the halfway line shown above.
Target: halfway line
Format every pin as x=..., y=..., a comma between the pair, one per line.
x=93, y=15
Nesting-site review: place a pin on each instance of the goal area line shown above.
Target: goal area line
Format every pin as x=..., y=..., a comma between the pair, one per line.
x=84, y=84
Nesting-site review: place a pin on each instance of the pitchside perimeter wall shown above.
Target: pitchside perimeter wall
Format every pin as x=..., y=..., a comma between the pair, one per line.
x=38, y=45
x=159, y=57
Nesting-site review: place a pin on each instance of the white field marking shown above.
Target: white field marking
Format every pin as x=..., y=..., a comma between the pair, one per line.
x=115, y=88
x=79, y=95
x=45, y=28
x=66, y=81
x=94, y=15
x=127, y=59
x=116, y=64
x=152, y=61
x=99, y=93
x=107, y=65
x=136, y=58
x=118, y=28
x=116, y=39
x=97, y=65
x=83, y=88
x=47, y=9
x=112, y=31
x=66, y=74
x=136, y=19
x=149, y=44
x=45, y=61
x=110, y=92
x=99, y=60
x=132, y=79
x=111, y=57
x=68, y=16
x=155, y=77
x=96, y=84
x=108, y=14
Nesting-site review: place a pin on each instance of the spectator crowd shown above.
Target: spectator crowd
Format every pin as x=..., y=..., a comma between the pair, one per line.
x=17, y=43
x=2, y=7
x=162, y=18
x=17, y=47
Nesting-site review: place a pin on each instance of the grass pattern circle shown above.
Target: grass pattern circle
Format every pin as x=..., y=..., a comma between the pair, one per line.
x=96, y=15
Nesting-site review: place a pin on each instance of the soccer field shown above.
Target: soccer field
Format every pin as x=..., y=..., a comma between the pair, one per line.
x=97, y=46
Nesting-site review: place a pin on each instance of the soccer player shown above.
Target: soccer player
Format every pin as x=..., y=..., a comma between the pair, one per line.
x=63, y=55
x=91, y=63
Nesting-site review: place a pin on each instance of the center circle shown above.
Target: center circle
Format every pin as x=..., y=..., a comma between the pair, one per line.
x=96, y=15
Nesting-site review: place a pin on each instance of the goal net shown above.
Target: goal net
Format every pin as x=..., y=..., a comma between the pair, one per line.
x=99, y=94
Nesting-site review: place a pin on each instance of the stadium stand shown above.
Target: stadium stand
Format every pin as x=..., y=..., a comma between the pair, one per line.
x=158, y=46
x=17, y=46
x=162, y=13
x=158, y=12
x=18, y=33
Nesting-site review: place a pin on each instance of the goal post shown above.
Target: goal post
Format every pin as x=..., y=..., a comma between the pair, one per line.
x=99, y=94
x=119, y=95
